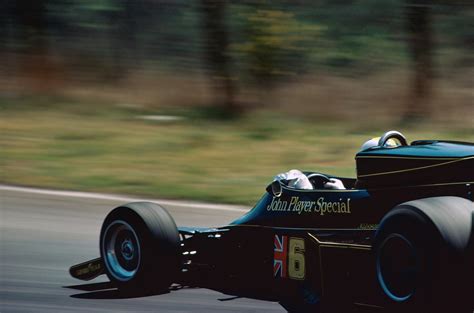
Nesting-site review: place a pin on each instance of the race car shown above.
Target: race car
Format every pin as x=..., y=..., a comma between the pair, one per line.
x=398, y=238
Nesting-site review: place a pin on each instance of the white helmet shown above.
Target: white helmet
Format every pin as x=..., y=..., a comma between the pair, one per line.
x=296, y=179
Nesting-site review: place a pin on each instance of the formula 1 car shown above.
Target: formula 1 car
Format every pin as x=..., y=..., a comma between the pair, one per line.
x=398, y=238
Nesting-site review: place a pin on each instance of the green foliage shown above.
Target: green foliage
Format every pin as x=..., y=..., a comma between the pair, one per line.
x=275, y=44
x=88, y=15
x=270, y=41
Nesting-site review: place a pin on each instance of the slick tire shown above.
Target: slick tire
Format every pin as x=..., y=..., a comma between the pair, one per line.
x=139, y=245
x=421, y=253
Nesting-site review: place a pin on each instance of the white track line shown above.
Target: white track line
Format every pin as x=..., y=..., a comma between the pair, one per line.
x=103, y=196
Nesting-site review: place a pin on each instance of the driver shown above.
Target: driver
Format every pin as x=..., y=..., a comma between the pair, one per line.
x=298, y=180
x=295, y=179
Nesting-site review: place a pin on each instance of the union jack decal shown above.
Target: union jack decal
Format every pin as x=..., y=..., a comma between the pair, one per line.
x=280, y=252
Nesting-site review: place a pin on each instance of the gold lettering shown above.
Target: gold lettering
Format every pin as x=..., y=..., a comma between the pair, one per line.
x=269, y=207
x=368, y=226
x=300, y=207
x=277, y=205
x=323, y=207
x=293, y=202
x=320, y=206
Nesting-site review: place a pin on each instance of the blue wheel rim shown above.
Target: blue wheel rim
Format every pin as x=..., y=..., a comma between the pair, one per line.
x=121, y=250
x=397, y=265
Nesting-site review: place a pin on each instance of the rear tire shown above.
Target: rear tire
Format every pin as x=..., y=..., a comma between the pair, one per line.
x=421, y=254
x=139, y=245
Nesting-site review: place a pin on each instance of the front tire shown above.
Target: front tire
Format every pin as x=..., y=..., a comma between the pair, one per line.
x=139, y=245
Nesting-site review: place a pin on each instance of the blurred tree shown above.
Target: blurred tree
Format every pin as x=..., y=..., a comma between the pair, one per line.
x=31, y=24
x=110, y=33
x=216, y=53
x=275, y=45
x=251, y=44
x=36, y=63
x=420, y=45
x=124, y=16
x=5, y=8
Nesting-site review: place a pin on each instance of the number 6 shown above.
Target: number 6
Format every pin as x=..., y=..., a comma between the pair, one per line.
x=296, y=262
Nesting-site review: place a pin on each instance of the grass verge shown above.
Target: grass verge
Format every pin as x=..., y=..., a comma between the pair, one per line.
x=58, y=143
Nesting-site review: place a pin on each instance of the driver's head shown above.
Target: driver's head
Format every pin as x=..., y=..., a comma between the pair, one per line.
x=295, y=179
x=374, y=142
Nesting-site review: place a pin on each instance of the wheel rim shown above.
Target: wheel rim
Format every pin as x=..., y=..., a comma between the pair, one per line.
x=121, y=250
x=397, y=267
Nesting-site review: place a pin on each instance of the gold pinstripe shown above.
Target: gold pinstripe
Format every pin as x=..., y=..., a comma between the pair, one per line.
x=338, y=245
x=322, y=190
x=416, y=168
x=332, y=245
x=397, y=157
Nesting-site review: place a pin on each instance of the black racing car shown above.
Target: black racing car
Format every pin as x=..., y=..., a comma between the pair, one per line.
x=397, y=238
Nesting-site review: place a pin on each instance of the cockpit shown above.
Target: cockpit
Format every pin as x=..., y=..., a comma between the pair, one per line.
x=309, y=181
x=296, y=179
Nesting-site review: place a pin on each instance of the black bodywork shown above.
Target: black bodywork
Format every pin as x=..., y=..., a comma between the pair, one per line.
x=339, y=268
x=337, y=227
x=313, y=248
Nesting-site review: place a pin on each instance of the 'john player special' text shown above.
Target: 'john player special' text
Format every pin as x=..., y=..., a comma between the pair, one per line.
x=320, y=206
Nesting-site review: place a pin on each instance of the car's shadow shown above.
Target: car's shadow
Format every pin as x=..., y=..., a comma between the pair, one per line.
x=107, y=290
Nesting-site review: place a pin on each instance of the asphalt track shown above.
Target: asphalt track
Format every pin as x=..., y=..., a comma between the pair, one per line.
x=44, y=232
